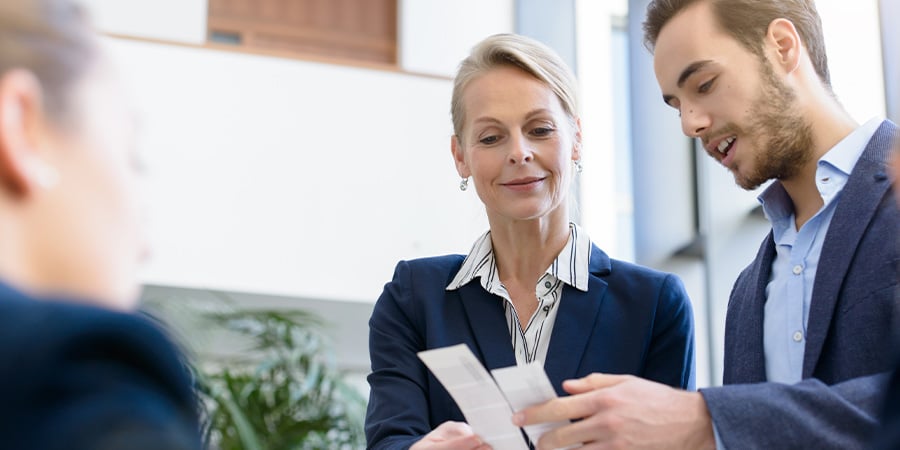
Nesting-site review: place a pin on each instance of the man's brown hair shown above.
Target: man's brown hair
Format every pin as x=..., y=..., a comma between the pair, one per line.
x=748, y=22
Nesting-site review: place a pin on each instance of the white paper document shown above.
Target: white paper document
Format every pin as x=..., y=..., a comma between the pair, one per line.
x=487, y=409
x=525, y=386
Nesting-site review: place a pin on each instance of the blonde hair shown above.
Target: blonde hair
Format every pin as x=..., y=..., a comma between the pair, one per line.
x=52, y=40
x=527, y=54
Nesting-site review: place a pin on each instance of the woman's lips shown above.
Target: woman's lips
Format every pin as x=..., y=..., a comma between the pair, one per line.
x=523, y=184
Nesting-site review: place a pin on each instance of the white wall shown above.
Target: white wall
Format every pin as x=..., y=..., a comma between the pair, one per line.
x=292, y=178
x=435, y=35
x=170, y=20
x=599, y=203
x=853, y=42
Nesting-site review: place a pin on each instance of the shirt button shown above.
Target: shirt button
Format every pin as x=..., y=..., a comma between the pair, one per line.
x=825, y=180
x=798, y=336
x=547, y=284
x=798, y=269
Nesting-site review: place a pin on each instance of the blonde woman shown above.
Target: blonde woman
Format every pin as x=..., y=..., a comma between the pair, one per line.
x=534, y=287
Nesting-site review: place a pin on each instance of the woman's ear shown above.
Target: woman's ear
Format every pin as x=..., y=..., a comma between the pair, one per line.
x=576, y=146
x=22, y=170
x=784, y=39
x=459, y=157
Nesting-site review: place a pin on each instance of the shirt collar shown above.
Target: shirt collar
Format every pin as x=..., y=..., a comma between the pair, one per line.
x=836, y=165
x=571, y=266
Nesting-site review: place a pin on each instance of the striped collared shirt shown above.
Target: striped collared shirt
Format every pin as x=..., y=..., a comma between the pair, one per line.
x=570, y=267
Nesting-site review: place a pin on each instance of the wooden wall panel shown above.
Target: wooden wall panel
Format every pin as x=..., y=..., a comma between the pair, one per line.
x=361, y=30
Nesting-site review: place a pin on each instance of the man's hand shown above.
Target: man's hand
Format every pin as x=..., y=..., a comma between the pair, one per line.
x=451, y=436
x=622, y=411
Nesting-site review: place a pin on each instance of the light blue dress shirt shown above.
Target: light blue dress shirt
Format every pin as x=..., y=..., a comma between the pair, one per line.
x=789, y=292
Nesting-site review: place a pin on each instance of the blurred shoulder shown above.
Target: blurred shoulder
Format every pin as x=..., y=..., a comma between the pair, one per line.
x=85, y=377
x=45, y=323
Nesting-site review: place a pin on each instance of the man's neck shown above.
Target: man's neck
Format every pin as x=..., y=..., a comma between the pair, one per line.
x=830, y=125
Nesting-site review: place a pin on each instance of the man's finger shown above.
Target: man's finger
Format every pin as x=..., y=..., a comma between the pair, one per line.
x=558, y=409
x=592, y=382
x=574, y=434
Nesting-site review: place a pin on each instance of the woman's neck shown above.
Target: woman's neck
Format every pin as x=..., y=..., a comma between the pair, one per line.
x=525, y=248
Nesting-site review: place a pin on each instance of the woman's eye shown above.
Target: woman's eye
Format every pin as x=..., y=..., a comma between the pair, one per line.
x=542, y=131
x=489, y=140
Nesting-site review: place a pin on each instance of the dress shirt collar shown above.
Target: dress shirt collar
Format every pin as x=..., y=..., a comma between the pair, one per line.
x=833, y=170
x=571, y=266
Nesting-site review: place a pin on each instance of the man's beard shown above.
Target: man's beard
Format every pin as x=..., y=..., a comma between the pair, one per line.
x=783, y=137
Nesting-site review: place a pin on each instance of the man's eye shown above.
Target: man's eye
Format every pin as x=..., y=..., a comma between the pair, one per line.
x=705, y=87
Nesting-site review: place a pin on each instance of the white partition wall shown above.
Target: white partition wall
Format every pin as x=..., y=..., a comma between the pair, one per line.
x=169, y=20
x=853, y=42
x=292, y=178
x=435, y=35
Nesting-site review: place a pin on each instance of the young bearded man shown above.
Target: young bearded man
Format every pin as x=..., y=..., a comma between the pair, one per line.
x=809, y=324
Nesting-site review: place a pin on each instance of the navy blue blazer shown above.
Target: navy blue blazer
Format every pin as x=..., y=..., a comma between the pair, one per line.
x=888, y=435
x=76, y=377
x=850, y=328
x=631, y=320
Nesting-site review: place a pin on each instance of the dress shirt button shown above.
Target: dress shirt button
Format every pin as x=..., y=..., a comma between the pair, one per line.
x=798, y=336
x=825, y=180
x=798, y=269
x=548, y=284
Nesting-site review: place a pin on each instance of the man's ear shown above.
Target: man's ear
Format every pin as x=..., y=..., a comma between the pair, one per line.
x=21, y=167
x=783, y=38
x=459, y=157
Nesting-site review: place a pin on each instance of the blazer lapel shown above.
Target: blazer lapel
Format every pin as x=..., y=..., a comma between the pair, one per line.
x=865, y=188
x=576, y=323
x=745, y=353
x=487, y=322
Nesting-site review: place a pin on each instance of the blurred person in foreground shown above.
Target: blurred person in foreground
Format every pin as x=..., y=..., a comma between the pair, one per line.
x=809, y=325
x=78, y=370
x=534, y=287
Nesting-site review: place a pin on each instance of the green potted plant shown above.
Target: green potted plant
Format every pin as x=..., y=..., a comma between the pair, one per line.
x=274, y=386
x=284, y=393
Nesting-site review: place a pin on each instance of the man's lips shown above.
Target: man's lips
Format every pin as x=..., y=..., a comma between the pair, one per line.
x=721, y=148
x=719, y=145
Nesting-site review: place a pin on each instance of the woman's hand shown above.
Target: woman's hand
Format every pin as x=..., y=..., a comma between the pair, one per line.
x=451, y=435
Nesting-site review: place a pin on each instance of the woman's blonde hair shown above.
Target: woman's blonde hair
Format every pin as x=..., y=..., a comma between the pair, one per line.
x=52, y=40
x=525, y=53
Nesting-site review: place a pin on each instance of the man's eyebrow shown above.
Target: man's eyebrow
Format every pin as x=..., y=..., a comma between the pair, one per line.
x=690, y=70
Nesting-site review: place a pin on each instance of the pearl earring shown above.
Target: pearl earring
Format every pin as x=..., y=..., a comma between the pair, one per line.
x=464, y=184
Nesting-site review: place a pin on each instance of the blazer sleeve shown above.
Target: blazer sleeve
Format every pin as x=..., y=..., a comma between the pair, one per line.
x=670, y=358
x=111, y=381
x=888, y=434
x=808, y=414
x=397, y=414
